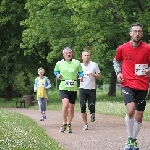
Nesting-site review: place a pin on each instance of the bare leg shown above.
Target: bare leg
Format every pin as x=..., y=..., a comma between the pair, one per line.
x=84, y=117
x=70, y=113
x=65, y=105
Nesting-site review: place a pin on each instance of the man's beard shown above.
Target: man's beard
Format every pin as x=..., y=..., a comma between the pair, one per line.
x=138, y=40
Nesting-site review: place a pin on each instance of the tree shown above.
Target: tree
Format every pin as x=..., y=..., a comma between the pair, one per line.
x=47, y=31
x=11, y=54
x=99, y=26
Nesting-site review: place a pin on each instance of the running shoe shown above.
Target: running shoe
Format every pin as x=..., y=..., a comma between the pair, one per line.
x=92, y=117
x=134, y=145
x=128, y=144
x=69, y=130
x=85, y=127
x=63, y=128
x=42, y=118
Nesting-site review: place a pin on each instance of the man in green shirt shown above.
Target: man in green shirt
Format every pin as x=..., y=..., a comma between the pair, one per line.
x=68, y=70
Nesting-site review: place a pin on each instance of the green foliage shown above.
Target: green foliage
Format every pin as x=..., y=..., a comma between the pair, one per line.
x=10, y=38
x=23, y=85
x=19, y=132
x=33, y=33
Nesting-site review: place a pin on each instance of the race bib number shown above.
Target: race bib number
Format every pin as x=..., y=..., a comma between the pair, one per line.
x=69, y=83
x=139, y=69
x=41, y=85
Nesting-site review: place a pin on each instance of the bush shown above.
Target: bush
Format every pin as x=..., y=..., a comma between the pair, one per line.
x=23, y=85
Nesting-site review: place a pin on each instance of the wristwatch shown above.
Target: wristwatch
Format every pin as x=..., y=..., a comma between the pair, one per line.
x=118, y=72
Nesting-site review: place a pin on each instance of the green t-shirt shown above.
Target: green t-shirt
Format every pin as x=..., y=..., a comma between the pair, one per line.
x=69, y=71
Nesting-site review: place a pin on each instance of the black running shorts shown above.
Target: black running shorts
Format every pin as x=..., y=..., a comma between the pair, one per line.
x=71, y=95
x=137, y=96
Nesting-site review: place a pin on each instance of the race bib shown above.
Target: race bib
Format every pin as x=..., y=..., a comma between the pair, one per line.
x=69, y=83
x=41, y=85
x=139, y=69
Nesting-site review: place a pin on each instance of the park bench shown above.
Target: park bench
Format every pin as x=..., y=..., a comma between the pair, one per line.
x=34, y=102
x=26, y=101
x=21, y=102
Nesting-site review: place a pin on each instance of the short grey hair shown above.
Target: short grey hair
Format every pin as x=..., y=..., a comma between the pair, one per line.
x=85, y=51
x=67, y=48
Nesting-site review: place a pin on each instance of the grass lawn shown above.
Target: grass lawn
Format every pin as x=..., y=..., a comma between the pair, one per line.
x=18, y=132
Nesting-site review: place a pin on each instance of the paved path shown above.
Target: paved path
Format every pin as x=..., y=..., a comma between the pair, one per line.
x=105, y=133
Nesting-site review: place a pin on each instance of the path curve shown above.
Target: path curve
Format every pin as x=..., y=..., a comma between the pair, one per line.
x=107, y=132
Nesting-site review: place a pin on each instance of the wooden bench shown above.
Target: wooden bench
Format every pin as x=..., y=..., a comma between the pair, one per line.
x=34, y=102
x=21, y=102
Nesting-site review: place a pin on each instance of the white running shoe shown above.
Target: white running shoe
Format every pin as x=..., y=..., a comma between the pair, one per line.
x=85, y=127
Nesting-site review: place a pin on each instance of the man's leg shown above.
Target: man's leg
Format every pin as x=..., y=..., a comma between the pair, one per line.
x=65, y=106
x=91, y=103
x=84, y=117
x=70, y=117
x=83, y=100
x=129, y=100
x=137, y=123
x=140, y=99
x=72, y=99
x=129, y=119
x=70, y=113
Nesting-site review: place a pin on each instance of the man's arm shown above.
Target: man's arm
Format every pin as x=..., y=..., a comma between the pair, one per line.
x=117, y=66
x=97, y=74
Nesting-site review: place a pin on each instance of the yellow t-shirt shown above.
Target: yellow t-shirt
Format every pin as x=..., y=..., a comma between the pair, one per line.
x=41, y=90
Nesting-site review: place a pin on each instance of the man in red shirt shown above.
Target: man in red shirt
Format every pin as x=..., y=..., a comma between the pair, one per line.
x=131, y=64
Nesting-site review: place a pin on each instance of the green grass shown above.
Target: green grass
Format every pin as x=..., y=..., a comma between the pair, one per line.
x=105, y=105
x=18, y=132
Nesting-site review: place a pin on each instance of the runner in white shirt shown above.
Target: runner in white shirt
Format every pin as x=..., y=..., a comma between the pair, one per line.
x=87, y=90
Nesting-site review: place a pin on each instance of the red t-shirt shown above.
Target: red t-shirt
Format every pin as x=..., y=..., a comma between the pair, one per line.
x=129, y=56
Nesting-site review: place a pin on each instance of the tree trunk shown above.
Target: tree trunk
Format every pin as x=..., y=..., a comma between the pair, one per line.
x=112, y=87
x=8, y=92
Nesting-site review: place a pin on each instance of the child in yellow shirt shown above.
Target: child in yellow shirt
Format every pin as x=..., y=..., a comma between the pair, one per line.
x=41, y=86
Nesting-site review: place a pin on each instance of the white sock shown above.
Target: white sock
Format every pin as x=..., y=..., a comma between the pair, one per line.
x=136, y=129
x=129, y=124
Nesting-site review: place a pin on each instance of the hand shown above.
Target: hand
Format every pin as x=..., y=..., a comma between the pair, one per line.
x=81, y=79
x=59, y=76
x=120, y=78
x=91, y=74
x=147, y=72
